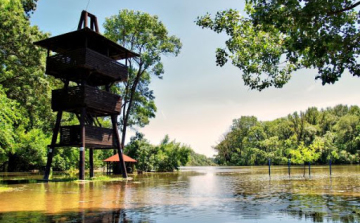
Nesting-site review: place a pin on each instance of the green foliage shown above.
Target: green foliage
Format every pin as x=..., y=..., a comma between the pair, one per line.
x=8, y=118
x=29, y=6
x=311, y=136
x=5, y=188
x=279, y=37
x=166, y=157
x=140, y=149
x=22, y=66
x=31, y=150
x=24, y=90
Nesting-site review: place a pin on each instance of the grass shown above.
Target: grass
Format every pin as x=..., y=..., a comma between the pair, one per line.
x=107, y=178
x=88, y=179
x=5, y=188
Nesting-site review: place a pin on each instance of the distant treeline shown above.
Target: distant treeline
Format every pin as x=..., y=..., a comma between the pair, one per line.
x=197, y=159
x=311, y=136
x=169, y=155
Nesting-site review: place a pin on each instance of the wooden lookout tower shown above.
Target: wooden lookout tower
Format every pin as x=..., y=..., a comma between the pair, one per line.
x=90, y=61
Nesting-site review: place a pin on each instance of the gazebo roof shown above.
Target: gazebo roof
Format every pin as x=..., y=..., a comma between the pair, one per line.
x=74, y=40
x=115, y=158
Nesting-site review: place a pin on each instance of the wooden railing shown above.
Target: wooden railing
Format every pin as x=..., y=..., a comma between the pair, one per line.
x=86, y=64
x=97, y=102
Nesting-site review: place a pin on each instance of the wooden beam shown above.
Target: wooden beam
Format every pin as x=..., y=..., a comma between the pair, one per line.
x=52, y=148
x=82, y=148
x=54, y=138
x=81, y=21
x=118, y=146
x=86, y=19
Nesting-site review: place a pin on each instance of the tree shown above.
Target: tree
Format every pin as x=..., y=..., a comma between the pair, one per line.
x=140, y=149
x=171, y=155
x=167, y=156
x=8, y=118
x=279, y=37
x=146, y=35
x=24, y=88
x=29, y=6
x=22, y=65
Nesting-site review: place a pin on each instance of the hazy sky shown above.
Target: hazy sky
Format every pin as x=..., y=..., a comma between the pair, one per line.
x=197, y=100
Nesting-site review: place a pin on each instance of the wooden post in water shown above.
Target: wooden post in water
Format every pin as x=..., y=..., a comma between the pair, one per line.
x=269, y=167
x=82, y=147
x=304, y=168
x=289, y=163
x=330, y=165
x=309, y=168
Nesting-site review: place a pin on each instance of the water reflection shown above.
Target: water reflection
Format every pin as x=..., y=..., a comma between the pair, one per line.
x=213, y=194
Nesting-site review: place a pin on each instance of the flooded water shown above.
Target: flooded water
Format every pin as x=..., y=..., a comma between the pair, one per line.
x=194, y=194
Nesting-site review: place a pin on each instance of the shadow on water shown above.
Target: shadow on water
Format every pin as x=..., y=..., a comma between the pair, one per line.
x=12, y=178
x=74, y=216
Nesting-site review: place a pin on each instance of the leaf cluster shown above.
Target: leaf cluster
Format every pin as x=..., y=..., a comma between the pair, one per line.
x=279, y=37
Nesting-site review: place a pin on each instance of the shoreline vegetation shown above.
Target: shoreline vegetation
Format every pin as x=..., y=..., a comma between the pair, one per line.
x=315, y=136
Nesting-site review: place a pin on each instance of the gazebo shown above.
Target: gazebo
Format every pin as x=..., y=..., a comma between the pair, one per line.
x=129, y=162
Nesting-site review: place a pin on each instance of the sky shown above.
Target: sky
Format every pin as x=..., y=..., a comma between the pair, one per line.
x=197, y=100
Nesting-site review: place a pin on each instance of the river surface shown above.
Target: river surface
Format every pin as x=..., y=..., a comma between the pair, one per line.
x=194, y=194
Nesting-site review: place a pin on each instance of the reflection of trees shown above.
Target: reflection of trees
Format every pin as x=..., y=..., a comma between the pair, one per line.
x=317, y=208
x=316, y=199
x=321, y=207
x=89, y=216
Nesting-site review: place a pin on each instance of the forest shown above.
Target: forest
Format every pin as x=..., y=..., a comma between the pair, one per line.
x=314, y=136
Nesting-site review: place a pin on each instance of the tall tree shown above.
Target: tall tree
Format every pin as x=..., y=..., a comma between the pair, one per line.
x=146, y=35
x=22, y=64
x=8, y=118
x=278, y=37
x=24, y=88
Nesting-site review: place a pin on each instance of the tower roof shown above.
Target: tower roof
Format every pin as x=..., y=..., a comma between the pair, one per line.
x=78, y=39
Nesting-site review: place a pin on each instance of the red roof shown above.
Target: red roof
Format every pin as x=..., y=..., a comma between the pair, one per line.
x=115, y=158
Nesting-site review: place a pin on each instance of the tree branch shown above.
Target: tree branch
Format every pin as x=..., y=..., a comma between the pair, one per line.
x=344, y=9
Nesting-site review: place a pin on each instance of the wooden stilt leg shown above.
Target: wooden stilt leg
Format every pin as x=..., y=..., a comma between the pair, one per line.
x=91, y=159
x=53, y=142
x=82, y=148
x=118, y=145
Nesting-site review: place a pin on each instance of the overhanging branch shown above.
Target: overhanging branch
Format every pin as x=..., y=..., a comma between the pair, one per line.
x=344, y=9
